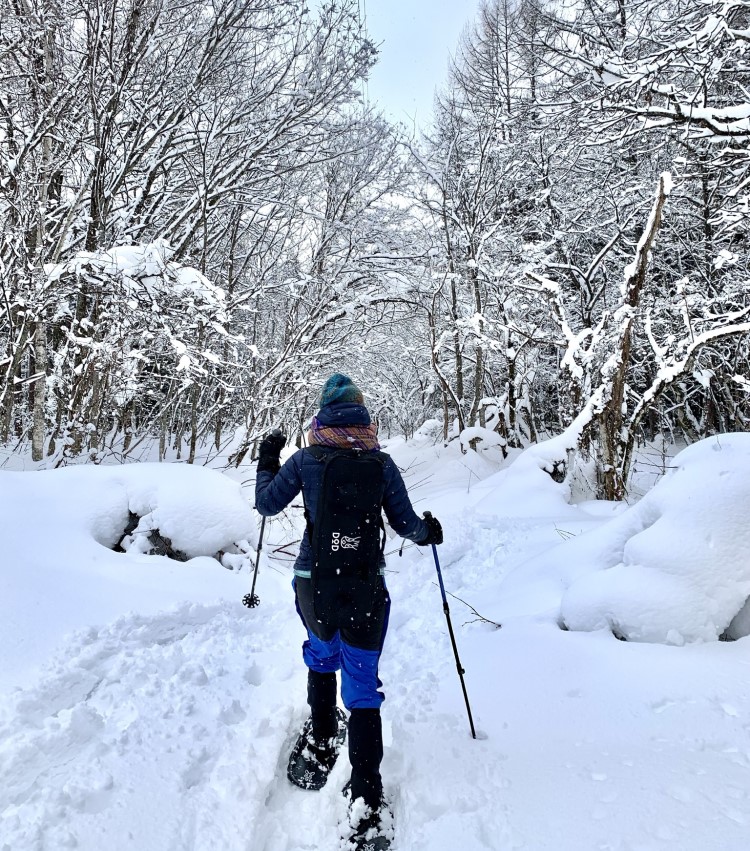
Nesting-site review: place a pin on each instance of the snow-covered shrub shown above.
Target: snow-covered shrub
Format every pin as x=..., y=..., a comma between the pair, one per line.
x=680, y=566
x=481, y=439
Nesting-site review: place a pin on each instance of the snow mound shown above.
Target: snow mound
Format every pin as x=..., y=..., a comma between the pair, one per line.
x=535, y=483
x=58, y=531
x=682, y=566
x=199, y=510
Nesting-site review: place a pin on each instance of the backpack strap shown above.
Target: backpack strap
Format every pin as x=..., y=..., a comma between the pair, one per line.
x=319, y=455
x=380, y=456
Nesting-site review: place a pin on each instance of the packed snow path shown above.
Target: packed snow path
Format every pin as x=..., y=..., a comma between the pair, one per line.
x=170, y=731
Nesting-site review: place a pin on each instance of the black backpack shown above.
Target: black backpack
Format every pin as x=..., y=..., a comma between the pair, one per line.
x=347, y=536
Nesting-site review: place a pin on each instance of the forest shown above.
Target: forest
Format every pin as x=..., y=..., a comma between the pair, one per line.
x=202, y=216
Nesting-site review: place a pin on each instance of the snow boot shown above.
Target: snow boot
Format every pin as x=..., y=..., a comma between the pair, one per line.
x=370, y=822
x=365, y=755
x=368, y=828
x=312, y=759
x=321, y=697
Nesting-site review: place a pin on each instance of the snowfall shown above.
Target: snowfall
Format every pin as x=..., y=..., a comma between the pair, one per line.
x=605, y=650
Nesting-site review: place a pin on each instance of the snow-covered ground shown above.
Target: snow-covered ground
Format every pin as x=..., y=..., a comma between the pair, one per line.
x=142, y=707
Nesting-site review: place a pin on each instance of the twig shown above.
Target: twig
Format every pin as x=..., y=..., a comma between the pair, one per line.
x=564, y=534
x=478, y=617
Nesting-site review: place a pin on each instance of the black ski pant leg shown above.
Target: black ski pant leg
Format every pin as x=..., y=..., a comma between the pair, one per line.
x=365, y=755
x=322, y=686
x=321, y=695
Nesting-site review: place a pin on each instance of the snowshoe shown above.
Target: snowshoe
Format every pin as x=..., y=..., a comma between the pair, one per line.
x=311, y=762
x=371, y=830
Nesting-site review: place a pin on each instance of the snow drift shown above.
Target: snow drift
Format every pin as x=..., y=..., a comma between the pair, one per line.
x=678, y=569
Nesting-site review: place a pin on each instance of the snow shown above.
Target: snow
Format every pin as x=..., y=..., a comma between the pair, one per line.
x=682, y=568
x=483, y=437
x=143, y=707
x=141, y=267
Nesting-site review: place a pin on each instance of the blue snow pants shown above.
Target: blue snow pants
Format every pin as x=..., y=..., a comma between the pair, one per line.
x=352, y=644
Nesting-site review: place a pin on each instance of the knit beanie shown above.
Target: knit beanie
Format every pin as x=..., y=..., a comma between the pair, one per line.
x=340, y=388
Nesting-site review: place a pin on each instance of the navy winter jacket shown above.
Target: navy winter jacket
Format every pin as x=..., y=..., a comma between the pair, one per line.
x=302, y=470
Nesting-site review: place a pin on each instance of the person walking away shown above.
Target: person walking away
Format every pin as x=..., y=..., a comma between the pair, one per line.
x=340, y=590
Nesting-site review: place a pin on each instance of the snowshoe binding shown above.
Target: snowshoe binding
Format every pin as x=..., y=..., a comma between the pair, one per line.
x=370, y=830
x=311, y=762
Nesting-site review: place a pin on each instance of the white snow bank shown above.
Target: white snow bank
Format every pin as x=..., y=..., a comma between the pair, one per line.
x=483, y=437
x=678, y=568
x=434, y=470
x=200, y=510
x=57, y=573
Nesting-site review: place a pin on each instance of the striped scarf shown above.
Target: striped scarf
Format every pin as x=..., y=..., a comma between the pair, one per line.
x=343, y=437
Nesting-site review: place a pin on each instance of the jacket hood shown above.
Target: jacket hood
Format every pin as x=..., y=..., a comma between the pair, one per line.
x=343, y=414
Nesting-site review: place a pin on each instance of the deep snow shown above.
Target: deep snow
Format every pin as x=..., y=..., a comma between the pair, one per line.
x=143, y=707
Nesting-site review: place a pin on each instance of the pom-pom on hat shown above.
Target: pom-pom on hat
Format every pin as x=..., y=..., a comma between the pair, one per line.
x=340, y=388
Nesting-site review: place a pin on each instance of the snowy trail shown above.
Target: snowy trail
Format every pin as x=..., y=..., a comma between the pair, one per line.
x=155, y=731
x=172, y=731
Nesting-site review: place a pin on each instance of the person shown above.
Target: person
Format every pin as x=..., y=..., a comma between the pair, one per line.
x=352, y=639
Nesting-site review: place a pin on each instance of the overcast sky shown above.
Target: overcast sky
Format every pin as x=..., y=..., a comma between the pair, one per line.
x=416, y=38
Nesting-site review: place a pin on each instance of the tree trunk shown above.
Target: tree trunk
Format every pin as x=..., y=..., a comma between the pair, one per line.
x=512, y=404
x=40, y=331
x=195, y=395
x=612, y=442
x=40, y=387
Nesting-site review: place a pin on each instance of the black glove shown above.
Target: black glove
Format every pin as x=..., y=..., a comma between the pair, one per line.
x=434, y=531
x=269, y=451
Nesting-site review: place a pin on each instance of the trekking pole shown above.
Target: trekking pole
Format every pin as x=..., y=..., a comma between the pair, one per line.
x=447, y=611
x=251, y=600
